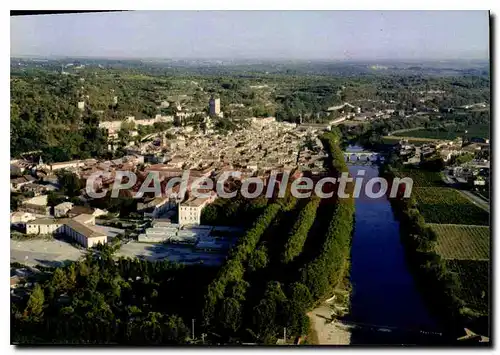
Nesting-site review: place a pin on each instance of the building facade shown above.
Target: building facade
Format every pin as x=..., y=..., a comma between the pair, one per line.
x=44, y=226
x=61, y=210
x=190, y=210
x=81, y=229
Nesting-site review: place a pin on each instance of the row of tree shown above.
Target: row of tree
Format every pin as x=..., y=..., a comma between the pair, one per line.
x=327, y=268
x=232, y=271
x=269, y=286
x=298, y=234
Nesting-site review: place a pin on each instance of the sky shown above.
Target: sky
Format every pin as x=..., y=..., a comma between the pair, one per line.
x=334, y=35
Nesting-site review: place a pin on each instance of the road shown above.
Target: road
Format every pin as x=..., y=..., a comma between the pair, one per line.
x=478, y=201
x=472, y=197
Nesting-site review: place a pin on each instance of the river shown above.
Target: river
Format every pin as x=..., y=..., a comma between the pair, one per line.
x=383, y=289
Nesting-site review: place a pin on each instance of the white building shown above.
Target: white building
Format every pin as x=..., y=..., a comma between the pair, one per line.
x=45, y=226
x=81, y=228
x=72, y=164
x=37, y=205
x=21, y=217
x=156, y=207
x=85, y=234
x=190, y=210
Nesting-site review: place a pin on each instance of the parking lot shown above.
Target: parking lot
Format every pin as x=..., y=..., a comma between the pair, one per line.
x=174, y=253
x=43, y=252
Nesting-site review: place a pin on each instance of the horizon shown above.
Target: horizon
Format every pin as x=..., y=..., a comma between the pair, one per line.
x=395, y=36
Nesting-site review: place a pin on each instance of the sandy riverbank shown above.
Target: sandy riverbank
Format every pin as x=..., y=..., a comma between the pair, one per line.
x=328, y=333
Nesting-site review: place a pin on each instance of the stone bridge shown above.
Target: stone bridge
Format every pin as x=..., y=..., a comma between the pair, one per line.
x=363, y=156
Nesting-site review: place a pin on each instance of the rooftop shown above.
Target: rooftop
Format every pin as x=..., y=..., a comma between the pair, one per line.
x=195, y=201
x=39, y=221
x=37, y=200
x=87, y=231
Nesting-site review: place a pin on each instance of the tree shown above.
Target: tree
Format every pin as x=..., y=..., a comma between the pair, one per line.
x=230, y=315
x=176, y=331
x=69, y=182
x=34, y=307
x=59, y=281
x=54, y=198
x=258, y=259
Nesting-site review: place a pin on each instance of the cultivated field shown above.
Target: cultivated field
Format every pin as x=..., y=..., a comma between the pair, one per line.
x=462, y=242
x=412, y=140
x=421, y=178
x=452, y=132
x=431, y=134
x=473, y=276
x=446, y=205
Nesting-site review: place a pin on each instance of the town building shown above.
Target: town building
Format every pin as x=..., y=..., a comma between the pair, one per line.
x=17, y=183
x=80, y=228
x=61, y=210
x=72, y=164
x=21, y=217
x=78, y=210
x=38, y=189
x=85, y=234
x=155, y=207
x=45, y=226
x=190, y=210
x=36, y=205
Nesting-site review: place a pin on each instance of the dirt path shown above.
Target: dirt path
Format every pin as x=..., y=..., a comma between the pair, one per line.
x=328, y=333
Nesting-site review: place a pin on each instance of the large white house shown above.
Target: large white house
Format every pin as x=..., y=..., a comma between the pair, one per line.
x=190, y=210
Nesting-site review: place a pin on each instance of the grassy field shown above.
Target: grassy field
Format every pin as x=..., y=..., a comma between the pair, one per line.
x=473, y=276
x=412, y=140
x=421, y=178
x=464, y=242
x=450, y=133
x=480, y=130
x=431, y=134
x=446, y=205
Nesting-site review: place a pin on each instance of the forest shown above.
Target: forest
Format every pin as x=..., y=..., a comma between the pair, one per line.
x=100, y=300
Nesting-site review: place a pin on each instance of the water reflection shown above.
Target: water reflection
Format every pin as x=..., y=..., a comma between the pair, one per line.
x=384, y=292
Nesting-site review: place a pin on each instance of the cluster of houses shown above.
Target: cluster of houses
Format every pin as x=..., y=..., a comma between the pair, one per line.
x=475, y=171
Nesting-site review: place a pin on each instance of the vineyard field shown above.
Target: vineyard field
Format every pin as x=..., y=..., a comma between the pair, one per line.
x=451, y=132
x=432, y=133
x=473, y=276
x=412, y=140
x=446, y=205
x=462, y=241
x=421, y=178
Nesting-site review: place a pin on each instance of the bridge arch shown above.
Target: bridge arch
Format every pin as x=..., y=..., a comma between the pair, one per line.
x=363, y=156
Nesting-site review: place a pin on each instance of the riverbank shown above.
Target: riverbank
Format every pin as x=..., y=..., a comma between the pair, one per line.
x=328, y=331
x=439, y=285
